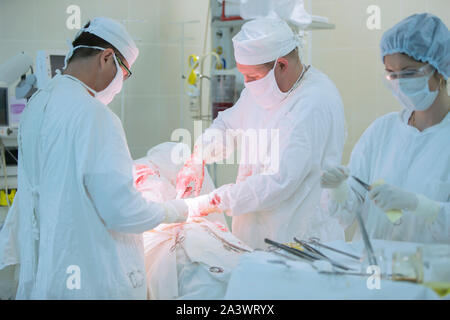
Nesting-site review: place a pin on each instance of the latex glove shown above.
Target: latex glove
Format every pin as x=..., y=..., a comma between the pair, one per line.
x=334, y=178
x=389, y=197
x=176, y=211
x=393, y=215
x=192, y=171
x=141, y=172
x=203, y=205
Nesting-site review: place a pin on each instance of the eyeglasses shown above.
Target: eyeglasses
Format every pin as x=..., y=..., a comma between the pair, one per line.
x=423, y=71
x=128, y=75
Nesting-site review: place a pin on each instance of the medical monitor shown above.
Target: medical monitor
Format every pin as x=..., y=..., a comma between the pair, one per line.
x=47, y=62
x=4, y=106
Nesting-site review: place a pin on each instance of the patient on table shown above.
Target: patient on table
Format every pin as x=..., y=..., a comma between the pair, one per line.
x=191, y=260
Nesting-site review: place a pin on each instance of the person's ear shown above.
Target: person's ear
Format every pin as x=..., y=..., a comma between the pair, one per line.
x=283, y=63
x=435, y=82
x=441, y=81
x=106, y=58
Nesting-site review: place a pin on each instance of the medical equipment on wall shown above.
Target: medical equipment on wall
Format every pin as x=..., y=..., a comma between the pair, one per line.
x=194, y=82
x=47, y=62
x=230, y=10
x=14, y=72
x=222, y=58
x=223, y=91
x=14, y=68
x=17, y=83
x=193, y=86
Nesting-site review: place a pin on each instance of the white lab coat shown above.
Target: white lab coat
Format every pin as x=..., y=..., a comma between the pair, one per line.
x=283, y=204
x=89, y=217
x=403, y=156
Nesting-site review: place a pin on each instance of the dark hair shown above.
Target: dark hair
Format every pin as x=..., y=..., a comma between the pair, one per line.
x=89, y=39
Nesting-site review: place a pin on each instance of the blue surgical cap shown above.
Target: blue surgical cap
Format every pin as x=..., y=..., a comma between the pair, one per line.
x=424, y=37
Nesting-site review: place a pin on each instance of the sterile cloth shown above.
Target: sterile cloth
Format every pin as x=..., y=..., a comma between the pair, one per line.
x=264, y=275
x=191, y=260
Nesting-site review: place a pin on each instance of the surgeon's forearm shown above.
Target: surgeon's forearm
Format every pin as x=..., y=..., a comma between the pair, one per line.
x=141, y=221
x=121, y=206
x=137, y=218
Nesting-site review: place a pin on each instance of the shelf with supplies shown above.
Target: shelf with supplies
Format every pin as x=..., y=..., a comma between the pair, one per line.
x=318, y=23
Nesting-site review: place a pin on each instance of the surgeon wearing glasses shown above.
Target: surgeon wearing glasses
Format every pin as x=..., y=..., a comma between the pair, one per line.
x=77, y=218
x=404, y=155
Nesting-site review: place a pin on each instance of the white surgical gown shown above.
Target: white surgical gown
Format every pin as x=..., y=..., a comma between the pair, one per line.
x=403, y=156
x=280, y=204
x=77, y=174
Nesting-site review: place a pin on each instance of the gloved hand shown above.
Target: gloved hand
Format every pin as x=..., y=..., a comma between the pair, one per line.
x=203, y=205
x=334, y=178
x=176, y=211
x=389, y=197
x=141, y=172
x=192, y=171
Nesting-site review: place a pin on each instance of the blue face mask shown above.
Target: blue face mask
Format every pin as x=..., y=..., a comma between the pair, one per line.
x=414, y=93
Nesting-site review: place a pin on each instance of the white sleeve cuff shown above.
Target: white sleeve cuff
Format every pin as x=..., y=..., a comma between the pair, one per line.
x=340, y=194
x=427, y=208
x=171, y=213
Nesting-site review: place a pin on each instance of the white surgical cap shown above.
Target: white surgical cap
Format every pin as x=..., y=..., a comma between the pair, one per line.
x=114, y=33
x=424, y=37
x=263, y=40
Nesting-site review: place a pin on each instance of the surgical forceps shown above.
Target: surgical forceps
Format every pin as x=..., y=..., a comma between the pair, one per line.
x=309, y=256
x=315, y=240
x=178, y=240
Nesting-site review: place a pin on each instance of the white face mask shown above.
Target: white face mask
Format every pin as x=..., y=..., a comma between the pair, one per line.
x=414, y=93
x=265, y=91
x=106, y=95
